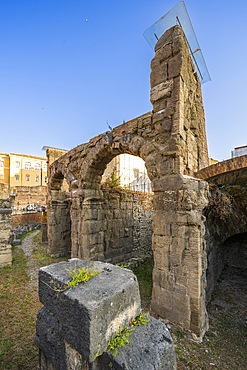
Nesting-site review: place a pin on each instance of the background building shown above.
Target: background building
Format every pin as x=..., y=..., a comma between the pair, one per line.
x=26, y=176
x=131, y=172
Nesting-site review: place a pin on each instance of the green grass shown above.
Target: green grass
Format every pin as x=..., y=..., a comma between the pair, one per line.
x=144, y=275
x=40, y=254
x=18, y=306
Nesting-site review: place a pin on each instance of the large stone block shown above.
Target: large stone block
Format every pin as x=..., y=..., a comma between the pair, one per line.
x=150, y=347
x=92, y=312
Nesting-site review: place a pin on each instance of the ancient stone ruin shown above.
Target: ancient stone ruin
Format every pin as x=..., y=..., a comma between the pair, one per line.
x=172, y=142
x=193, y=203
x=75, y=325
x=5, y=226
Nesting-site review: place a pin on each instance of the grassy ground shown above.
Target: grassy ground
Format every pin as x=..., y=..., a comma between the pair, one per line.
x=224, y=346
x=18, y=307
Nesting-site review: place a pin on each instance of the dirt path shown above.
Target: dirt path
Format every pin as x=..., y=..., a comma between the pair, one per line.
x=33, y=267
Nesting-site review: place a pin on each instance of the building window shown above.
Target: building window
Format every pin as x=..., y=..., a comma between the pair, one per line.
x=27, y=166
x=45, y=178
x=1, y=163
x=1, y=176
x=44, y=167
x=37, y=178
x=37, y=167
x=17, y=164
x=17, y=177
x=27, y=177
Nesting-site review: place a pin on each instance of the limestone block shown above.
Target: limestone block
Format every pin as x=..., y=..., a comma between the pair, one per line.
x=175, y=65
x=163, y=53
x=103, y=304
x=159, y=74
x=163, y=90
x=166, y=38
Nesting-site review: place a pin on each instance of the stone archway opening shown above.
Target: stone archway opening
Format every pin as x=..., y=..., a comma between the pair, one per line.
x=126, y=211
x=228, y=302
x=59, y=226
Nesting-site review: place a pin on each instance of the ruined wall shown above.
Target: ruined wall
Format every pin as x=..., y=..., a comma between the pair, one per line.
x=5, y=226
x=59, y=215
x=75, y=325
x=28, y=219
x=226, y=214
x=179, y=276
x=172, y=142
x=127, y=226
x=121, y=221
x=25, y=195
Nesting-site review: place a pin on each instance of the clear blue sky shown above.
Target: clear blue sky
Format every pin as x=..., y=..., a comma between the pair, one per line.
x=69, y=66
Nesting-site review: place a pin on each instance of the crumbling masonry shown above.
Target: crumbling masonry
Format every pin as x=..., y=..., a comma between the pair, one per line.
x=5, y=226
x=172, y=142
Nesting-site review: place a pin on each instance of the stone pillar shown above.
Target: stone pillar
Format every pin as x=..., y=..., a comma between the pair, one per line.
x=76, y=324
x=179, y=277
x=58, y=225
x=5, y=226
x=91, y=234
x=179, y=198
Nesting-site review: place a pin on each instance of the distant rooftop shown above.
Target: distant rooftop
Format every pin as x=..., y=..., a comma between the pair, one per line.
x=51, y=147
x=178, y=15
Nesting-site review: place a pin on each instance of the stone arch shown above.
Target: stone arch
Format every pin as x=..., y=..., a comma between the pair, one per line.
x=92, y=243
x=172, y=141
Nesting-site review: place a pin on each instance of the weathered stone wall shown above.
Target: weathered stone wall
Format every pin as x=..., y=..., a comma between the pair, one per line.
x=226, y=217
x=219, y=168
x=76, y=324
x=60, y=222
x=28, y=219
x=127, y=226
x=179, y=277
x=172, y=142
x=5, y=226
x=25, y=195
x=122, y=219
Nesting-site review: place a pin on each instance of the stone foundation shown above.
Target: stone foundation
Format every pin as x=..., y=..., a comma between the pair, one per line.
x=75, y=325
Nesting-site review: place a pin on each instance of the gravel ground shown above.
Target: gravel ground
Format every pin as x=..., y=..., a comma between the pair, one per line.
x=33, y=267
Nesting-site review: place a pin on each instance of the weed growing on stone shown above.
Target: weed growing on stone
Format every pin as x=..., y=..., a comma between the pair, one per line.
x=122, y=338
x=119, y=340
x=142, y=319
x=77, y=276
x=81, y=275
